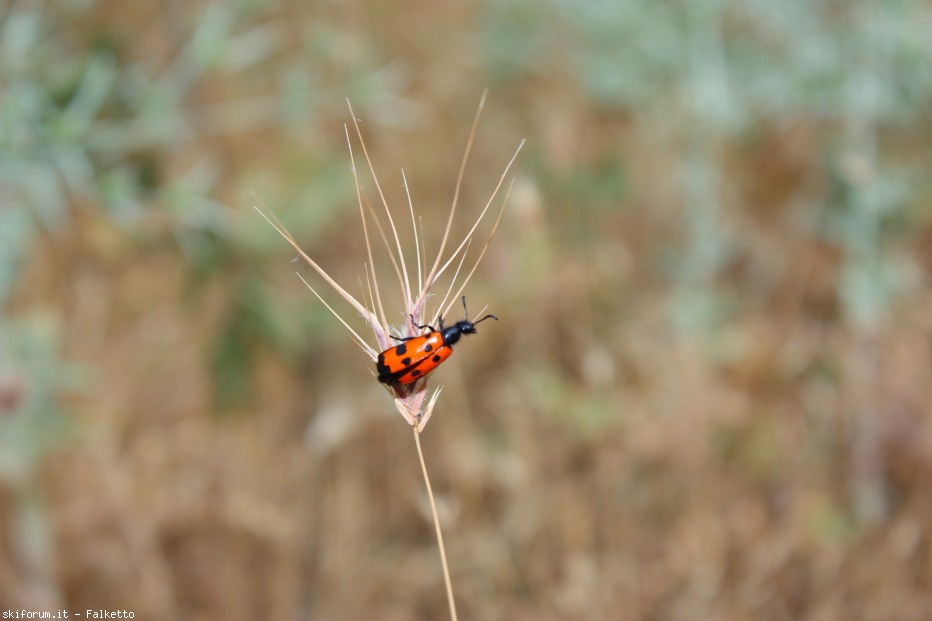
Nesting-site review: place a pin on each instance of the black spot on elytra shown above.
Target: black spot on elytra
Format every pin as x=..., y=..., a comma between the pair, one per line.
x=406, y=362
x=402, y=349
x=436, y=357
x=428, y=347
x=415, y=372
x=385, y=373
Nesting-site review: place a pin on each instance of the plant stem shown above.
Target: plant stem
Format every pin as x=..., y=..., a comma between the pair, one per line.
x=433, y=508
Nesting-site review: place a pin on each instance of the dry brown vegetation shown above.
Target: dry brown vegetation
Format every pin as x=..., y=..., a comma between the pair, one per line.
x=709, y=395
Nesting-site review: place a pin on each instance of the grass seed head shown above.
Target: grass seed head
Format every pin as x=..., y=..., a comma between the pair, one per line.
x=410, y=399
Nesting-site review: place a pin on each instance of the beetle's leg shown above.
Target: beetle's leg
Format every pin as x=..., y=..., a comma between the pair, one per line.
x=414, y=323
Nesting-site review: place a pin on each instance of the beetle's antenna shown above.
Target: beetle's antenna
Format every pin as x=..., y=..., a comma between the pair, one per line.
x=481, y=320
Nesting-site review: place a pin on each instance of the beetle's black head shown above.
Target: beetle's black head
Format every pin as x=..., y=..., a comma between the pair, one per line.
x=452, y=333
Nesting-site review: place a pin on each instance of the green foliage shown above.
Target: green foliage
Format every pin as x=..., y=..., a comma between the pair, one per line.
x=582, y=410
x=235, y=350
x=601, y=185
x=33, y=379
x=704, y=74
x=516, y=36
x=84, y=123
x=252, y=325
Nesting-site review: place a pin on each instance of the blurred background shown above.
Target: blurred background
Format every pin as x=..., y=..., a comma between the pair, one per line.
x=710, y=392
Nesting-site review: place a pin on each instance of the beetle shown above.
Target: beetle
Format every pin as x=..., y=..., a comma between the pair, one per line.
x=416, y=356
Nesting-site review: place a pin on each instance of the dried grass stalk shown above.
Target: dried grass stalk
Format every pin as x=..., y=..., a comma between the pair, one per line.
x=411, y=400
